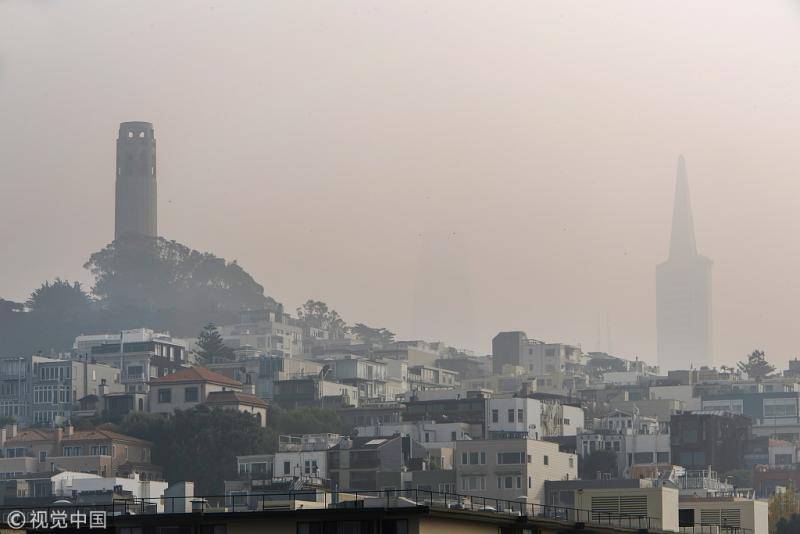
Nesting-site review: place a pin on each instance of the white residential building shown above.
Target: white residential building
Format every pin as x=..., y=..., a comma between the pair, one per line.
x=304, y=457
x=534, y=418
x=511, y=468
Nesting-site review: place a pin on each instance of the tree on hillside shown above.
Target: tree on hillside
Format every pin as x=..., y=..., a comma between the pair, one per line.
x=315, y=313
x=308, y=420
x=171, y=285
x=59, y=298
x=200, y=444
x=212, y=348
x=371, y=335
x=757, y=367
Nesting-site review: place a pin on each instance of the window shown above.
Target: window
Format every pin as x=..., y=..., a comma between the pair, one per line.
x=495, y=416
x=571, y=461
x=287, y=468
x=520, y=416
x=643, y=458
x=662, y=457
x=190, y=394
x=509, y=482
x=42, y=456
x=99, y=450
x=510, y=458
x=73, y=451
x=164, y=396
x=529, y=458
x=530, y=482
x=546, y=460
x=511, y=415
x=453, y=436
x=464, y=458
x=783, y=459
x=519, y=482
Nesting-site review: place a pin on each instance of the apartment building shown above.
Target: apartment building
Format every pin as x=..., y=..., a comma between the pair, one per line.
x=430, y=433
x=58, y=385
x=304, y=457
x=510, y=468
x=140, y=354
x=537, y=418
x=774, y=414
x=637, y=441
x=422, y=377
x=269, y=331
x=361, y=463
x=367, y=375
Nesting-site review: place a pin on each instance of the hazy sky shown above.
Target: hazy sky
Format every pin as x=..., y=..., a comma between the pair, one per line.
x=447, y=169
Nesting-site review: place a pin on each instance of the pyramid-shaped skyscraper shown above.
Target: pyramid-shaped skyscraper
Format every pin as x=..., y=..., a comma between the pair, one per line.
x=683, y=291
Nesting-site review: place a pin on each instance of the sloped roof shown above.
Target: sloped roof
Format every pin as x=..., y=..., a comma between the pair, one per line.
x=196, y=374
x=98, y=434
x=235, y=397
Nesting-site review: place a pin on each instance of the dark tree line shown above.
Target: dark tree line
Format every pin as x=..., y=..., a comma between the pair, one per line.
x=138, y=282
x=202, y=445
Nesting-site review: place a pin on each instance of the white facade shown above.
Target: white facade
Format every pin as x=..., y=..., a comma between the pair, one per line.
x=429, y=433
x=522, y=416
x=511, y=468
x=140, y=489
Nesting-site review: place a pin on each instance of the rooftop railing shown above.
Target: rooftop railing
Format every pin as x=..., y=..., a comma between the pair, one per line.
x=308, y=499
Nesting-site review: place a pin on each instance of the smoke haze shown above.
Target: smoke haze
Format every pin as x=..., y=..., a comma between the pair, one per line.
x=445, y=169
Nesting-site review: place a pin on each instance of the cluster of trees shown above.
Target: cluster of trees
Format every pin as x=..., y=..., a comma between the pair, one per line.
x=756, y=366
x=202, y=444
x=138, y=281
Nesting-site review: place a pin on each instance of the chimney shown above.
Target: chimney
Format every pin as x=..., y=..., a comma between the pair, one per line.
x=59, y=434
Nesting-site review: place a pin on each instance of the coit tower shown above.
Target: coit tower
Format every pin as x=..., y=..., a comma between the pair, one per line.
x=136, y=197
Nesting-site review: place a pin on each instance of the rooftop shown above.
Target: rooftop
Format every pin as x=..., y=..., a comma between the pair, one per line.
x=196, y=374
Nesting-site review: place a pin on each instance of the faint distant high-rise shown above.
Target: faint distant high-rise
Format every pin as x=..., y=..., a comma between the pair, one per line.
x=683, y=291
x=136, y=197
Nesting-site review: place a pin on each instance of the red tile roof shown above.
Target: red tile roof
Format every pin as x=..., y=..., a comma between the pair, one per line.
x=196, y=374
x=234, y=397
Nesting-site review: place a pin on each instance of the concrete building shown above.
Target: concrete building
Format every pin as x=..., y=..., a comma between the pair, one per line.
x=187, y=388
x=304, y=457
x=523, y=417
x=361, y=463
x=429, y=433
x=136, y=188
x=726, y=512
x=314, y=391
x=641, y=504
x=683, y=291
x=268, y=330
x=141, y=354
x=774, y=414
x=509, y=468
x=636, y=440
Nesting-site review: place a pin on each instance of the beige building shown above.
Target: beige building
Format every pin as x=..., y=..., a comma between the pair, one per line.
x=727, y=511
x=187, y=388
x=511, y=468
x=627, y=503
x=98, y=451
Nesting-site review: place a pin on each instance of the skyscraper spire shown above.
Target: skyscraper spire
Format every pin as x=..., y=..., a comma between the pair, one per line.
x=683, y=291
x=682, y=243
